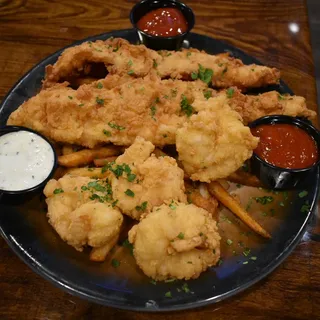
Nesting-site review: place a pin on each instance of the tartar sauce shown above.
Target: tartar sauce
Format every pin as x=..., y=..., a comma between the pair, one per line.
x=26, y=160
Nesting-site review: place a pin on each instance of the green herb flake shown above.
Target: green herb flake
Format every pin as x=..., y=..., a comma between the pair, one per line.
x=207, y=94
x=281, y=204
x=246, y=252
x=264, y=200
x=115, y=263
x=130, y=72
x=57, y=191
x=188, y=54
x=114, y=203
x=194, y=75
x=264, y=214
x=129, y=193
x=224, y=70
x=172, y=206
x=115, y=126
x=303, y=194
x=281, y=97
x=230, y=92
x=70, y=97
x=142, y=207
x=285, y=195
x=130, y=63
x=253, y=258
x=186, y=107
x=131, y=177
x=154, y=282
x=229, y=242
x=99, y=85
x=205, y=75
x=306, y=207
x=128, y=245
x=249, y=204
x=170, y=280
x=99, y=101
x=81, y=105
x=107, y=133
x=168, y=294
x=174, y=92
x=155, y=64
x=220, y=65
x=245, y=262
x=115, y=49
x=180, y=235
x=185, y=288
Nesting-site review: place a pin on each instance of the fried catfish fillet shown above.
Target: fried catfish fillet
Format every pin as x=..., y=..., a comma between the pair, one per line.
x=79, y=218
x=148, y=107
x=142, y=181
x=176, y=241
x=120, y=57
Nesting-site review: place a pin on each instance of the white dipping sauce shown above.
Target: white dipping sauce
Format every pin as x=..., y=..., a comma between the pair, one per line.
x=26, y=160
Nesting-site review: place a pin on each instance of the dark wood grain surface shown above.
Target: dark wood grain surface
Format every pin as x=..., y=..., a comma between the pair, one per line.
x=31, y=30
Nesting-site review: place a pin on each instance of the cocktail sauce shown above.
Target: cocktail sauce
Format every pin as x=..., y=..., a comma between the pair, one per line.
x=163, y=22
x=286, y=146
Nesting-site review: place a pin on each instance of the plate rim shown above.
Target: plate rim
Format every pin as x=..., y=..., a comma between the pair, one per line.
x=88, y=295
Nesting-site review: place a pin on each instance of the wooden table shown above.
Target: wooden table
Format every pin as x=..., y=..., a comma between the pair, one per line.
x=274, y=31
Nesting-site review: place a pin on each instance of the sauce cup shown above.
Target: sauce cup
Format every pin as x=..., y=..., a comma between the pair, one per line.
x=52, y=166
x=274, y=177
x=157, y=42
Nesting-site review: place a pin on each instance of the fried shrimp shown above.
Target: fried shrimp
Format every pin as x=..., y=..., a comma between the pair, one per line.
x=146, y=181
x=176, y=241
x=78, y=217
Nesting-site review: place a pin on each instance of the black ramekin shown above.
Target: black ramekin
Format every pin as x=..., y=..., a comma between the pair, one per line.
x=161, y=43
x=9, y=129
x=274, y=177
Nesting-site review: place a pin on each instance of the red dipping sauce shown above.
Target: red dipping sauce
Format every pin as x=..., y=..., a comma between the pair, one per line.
x=286, y=146
x=163, y=22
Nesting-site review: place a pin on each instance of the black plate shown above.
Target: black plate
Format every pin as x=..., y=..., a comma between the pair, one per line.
x=25, y=228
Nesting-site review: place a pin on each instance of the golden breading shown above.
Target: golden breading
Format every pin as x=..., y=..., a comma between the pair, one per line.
x=214, y=143
x=147, y=182
x=78, y=218
x=227, y=71
x=176, y=241
x=118, y=56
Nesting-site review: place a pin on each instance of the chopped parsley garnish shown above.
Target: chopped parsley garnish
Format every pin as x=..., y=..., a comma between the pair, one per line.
x=142, y=207
x=70, y=97
x=281, y=97
x=252, y=70
x=130, y=72
x=115, y=49
x=188, y=54
x=107, y=133
x=281, y=204
x=194, y=75
x=57, y=191
x=170, y=280
x=203, y=74
x=128, y=245
x=207, y=94
x=181, y=235
x=96, y=186
x=153, y=108
x=115, y=126
x=303, y=194
x=129, y=193
x=172, y=205
x=220, y=65
x=229, y=242
x=114, y=203
x=130, y=63
x=245, y=262
x=230, y=92
x=154, y=282
x=185, y=288
x=155, y=64
x=99, y=101
x=84, y=188
x=285, y=195
x=224, y=70
x=253, y=258
x=168, y=294
x=306, y=207
x=81, y=104
x=115, y=263
x=186, y=107
x=131, y=177
x=99, y=85
x=264, y=200
x=249, y=204
x=246, y=252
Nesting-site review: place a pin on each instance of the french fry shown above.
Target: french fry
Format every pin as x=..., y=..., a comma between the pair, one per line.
x=104, y=161
x=224, y=197
x=100, y=254
x=89, y=172
x=67, y=149
x=194, y=196
x=244, y=178
x=86, y=156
